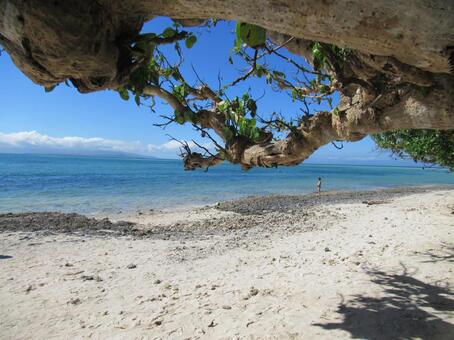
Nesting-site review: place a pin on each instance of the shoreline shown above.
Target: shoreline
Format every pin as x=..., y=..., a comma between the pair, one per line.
x=229, y=215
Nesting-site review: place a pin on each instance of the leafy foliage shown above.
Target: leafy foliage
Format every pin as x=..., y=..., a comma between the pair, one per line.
x=251, y=35
x=428, y=146
x=321, y=53
x=239, y=124
x=190, y=41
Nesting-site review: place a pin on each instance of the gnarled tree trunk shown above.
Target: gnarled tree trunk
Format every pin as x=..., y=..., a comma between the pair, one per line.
x=401, y=49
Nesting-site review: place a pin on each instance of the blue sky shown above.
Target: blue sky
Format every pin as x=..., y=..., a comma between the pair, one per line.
x=65, y=121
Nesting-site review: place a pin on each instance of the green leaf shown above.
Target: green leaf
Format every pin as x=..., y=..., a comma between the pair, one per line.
x=324, y=89
x=223, y=105
x=255, y=134
x=123, y=93
x=252, y=107
x=259, y=70
x=180, y=91
x=268, y=77
x=190, y=41
x=318, y=55
x=137, y=99
x=252, y=35
x=169, y=32
x=295, y=94
x=228, y=134
x=278, y=74
x=147, y=36
x=242, y=123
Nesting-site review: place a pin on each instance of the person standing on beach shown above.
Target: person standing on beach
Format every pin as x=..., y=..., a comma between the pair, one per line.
x=319, y=185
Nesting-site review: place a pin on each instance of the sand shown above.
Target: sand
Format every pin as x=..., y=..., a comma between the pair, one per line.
x=379, y=266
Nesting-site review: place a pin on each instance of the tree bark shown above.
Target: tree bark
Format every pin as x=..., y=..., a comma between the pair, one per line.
x=84, y=40
x=418, y=33
x=399, y=75
x=414, y=111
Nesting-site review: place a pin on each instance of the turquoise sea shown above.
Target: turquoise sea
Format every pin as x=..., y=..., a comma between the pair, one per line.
x=107, y=185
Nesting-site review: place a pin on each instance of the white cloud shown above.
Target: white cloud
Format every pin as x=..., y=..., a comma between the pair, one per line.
x=33, y=141
x=174, y=145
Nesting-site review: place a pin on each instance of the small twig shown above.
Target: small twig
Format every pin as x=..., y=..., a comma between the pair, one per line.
x=269, y=51
x=197, y=75
x=164, y=125
x=203, y=148
x=198, y=128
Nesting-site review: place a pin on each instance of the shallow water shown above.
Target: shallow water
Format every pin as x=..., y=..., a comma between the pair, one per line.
x=94, y=185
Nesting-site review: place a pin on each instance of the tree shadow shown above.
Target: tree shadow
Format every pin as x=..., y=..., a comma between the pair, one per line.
x=407, y=310
x=5, y=257
x=445, y=253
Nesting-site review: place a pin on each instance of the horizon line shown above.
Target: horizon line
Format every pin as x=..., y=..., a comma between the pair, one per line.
x=127, y=156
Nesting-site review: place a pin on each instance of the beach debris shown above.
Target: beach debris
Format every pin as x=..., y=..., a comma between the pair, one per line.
x=75, y=273
x=74, y=301
x=67, y=264
x=212, y=324
x=252, y=292
x=131, y=266
x=327, y=249
x=87, y=277
x=157, y=281
x=62, y=222
x=374, y=202
x=226, y=307
x=29, y=289
x=96, y=278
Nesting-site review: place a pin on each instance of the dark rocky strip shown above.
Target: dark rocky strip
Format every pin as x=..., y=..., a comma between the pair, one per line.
x=264, y=213
x=63, y=222
x=281, y=203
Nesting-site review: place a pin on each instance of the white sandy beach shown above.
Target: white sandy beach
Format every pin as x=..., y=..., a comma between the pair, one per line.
x=349, y=270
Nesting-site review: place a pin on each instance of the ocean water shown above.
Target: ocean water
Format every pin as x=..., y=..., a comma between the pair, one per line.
x=103, y=185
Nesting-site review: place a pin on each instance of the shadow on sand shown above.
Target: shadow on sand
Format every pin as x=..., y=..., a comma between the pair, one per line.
x=444, y=253
x=408, y=309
